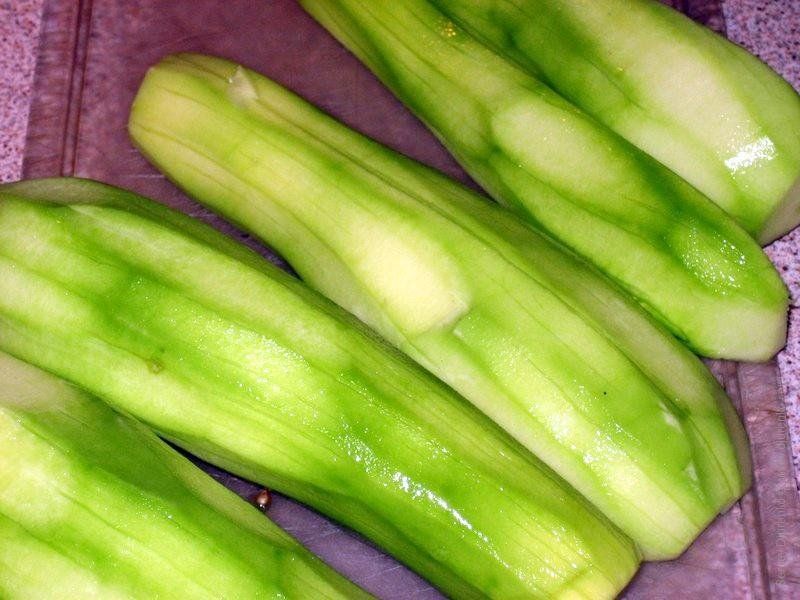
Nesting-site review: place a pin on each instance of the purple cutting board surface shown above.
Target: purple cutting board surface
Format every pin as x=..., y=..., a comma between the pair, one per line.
x=93, y=56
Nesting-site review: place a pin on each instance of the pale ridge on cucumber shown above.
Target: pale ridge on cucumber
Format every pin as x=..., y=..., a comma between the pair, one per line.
x=681, y=256
x=227, y=356
x=541, y=334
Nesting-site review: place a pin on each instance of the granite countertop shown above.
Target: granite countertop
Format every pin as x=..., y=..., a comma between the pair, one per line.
x=770, y=29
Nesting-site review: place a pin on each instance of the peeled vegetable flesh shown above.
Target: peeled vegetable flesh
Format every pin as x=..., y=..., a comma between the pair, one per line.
x=538, y=340
x=94, y=505
x=680, y=255
x=227, y=356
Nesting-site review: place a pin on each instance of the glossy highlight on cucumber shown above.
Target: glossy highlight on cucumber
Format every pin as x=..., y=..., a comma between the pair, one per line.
x=537, y=339
x=94, y=505
x=241, y=364
x=704, y=107
x=680, y=255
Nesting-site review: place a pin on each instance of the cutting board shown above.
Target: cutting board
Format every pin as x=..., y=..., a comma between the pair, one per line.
x=93, y=56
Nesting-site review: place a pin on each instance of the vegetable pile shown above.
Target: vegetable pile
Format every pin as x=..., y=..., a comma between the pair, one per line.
x=538, y=340
x=229, y=357
x=533, y=422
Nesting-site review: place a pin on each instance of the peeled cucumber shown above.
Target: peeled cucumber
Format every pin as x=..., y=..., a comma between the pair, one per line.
x=680, y=255
x=538, y=340
x=231, y=358
x=94, y=505
x=704, y=107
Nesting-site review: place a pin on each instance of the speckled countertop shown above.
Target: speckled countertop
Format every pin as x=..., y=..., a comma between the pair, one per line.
x=770, y=28
x=19, y=38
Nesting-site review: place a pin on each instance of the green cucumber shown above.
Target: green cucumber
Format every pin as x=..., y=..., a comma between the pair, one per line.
x=94, y=505
x=704, y=107
x=675, y=251
x=538, y=340
x=224, y=354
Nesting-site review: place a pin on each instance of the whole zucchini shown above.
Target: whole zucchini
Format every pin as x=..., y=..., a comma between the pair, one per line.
x=680, y=255
x=94, y=505
x=538, y=340
x=704, y=107
x=224, y=354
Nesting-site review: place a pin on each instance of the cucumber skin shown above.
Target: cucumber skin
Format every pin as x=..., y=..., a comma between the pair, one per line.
x=165, y=321
x=93, y=504
x=764, y=198
x=592, y=190
x=266, y=160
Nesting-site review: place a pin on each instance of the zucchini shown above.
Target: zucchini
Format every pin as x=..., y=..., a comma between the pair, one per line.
x=94, y=505
x=675, y=251
x=238, y=362
x=704, y=107
x=538, y=340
